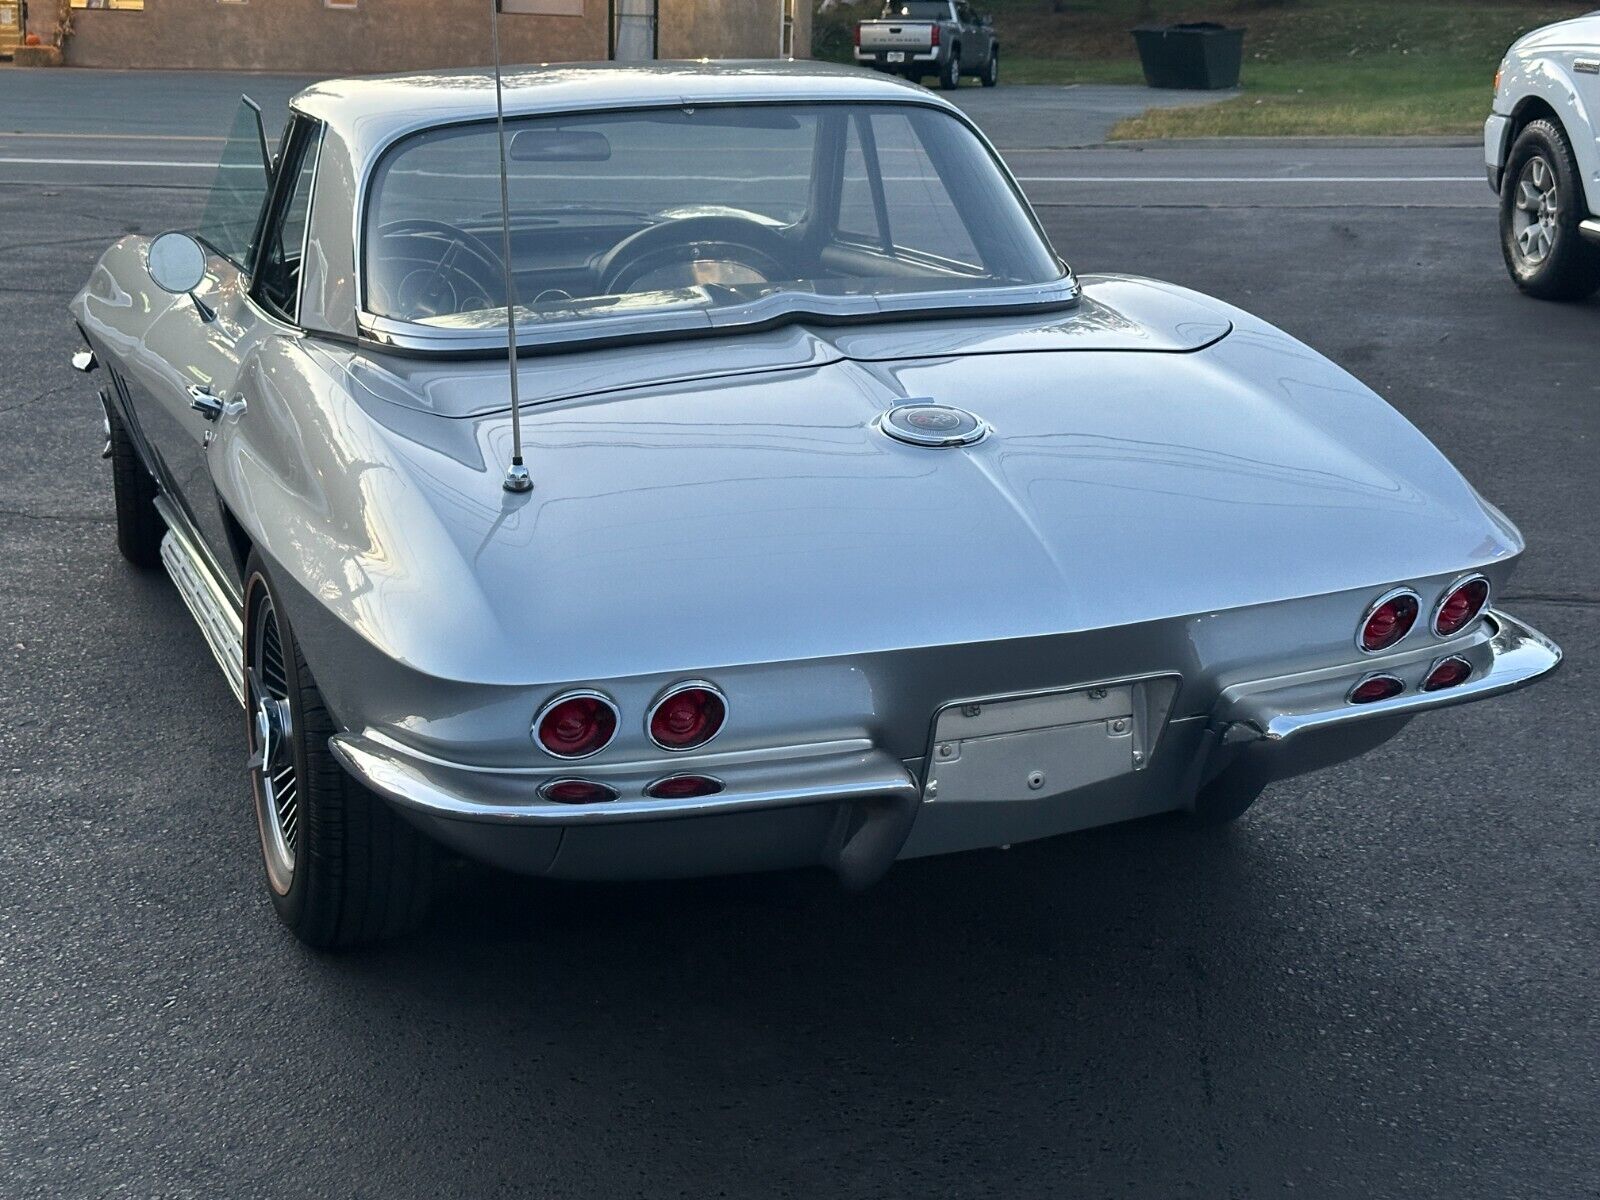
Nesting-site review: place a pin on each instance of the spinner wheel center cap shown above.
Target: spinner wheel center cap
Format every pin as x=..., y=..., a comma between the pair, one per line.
x=928, y=424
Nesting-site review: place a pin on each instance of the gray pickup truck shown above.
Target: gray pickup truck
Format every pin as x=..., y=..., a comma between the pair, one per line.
x=918, y=38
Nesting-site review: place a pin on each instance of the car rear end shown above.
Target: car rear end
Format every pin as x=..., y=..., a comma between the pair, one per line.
x=897, y=45
x=1158, y=578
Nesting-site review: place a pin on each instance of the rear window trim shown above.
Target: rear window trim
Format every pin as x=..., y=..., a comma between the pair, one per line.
x=393, y=336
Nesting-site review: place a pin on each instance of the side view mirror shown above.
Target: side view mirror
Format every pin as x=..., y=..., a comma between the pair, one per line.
x=177, y=263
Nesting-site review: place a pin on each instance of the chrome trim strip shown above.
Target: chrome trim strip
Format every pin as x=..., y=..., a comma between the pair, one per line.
x=305, y=234
x=218, y=616
x=1590, y=229
x=1452, y=589
x=467, y=795
x=1586, y=66
x=671, y=691
x=766, y=312
x=725, y=759
x=576, y=694
x=1520, y=655
x=1391, y=594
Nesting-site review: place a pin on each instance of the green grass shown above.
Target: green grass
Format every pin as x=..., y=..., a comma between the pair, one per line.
x=1311, y=66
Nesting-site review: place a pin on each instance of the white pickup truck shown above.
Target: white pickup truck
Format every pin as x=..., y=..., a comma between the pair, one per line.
x=918, y=38
x=1542, y=148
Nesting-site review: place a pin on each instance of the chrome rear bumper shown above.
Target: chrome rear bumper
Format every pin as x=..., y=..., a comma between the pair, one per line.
x=852, y=806
x=1506, y=655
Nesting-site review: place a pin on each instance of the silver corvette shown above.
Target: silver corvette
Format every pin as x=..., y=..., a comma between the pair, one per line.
x=860, y=528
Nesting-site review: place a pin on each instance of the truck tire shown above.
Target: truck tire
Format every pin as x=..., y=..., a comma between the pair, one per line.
x=133, y=491
x=950, y=70
x=1541, y=207
x=343, y=869
x=991, y=72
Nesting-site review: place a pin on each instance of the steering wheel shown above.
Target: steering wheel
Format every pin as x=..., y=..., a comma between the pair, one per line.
x=433, y=269
x=694, y=244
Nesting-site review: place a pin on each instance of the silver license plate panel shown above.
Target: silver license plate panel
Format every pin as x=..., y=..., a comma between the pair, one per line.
x=1034, y=746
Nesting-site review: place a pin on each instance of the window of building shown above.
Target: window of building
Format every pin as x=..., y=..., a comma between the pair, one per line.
x=126, y=5
x=544, y=8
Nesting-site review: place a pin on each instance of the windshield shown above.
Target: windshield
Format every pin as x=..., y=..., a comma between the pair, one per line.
x=918, y=10
x=692, y=210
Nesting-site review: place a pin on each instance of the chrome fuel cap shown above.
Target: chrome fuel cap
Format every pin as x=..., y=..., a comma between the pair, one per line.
x=926, y=424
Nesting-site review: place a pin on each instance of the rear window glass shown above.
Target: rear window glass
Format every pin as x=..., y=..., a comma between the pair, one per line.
x=692, y=208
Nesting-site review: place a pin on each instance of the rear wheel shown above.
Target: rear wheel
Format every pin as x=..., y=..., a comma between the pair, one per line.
x=1541, y=207
x=139, y=526
x=342, y=868
x=950, y=73
x=991, y=72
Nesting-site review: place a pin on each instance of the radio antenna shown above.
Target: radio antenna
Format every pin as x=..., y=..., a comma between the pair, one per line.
x=517, y=478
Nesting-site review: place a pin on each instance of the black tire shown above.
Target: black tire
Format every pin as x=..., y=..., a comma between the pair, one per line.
x=359, y=873
x=991, y=70
x=139, y=526
x=1560, y=264
x=950, y=70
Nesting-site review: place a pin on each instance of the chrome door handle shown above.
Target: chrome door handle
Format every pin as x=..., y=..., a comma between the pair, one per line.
x=203, y=402
x=211, y=406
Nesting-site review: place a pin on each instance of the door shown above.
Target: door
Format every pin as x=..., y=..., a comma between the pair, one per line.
x=204, y=348
x=192, y=346
x=633, y=30
x=1586, y=134
x=973, y=35
x=10, y=26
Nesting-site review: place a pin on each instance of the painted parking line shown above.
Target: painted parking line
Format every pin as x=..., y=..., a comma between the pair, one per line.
x=113, y=137
x=196, y=163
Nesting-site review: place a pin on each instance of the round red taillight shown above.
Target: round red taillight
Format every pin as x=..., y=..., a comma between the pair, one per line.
x=1461, y=606
x=683, y=787
x=577, y=791
x=576, y=725
x=687, y=716
x=1388, y=620
x=1447, y=674
x=1376, y=687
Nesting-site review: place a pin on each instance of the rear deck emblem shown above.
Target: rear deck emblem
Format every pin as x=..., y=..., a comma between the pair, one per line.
x=927, y=424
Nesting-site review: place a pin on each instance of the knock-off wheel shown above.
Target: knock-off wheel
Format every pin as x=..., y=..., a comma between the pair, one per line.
x=343, y=869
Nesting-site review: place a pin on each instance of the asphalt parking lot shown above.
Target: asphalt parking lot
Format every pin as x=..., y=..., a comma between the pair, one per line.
x=1383, y=982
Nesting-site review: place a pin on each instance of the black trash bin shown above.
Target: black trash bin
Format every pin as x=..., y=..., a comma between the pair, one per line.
x=1201, y=55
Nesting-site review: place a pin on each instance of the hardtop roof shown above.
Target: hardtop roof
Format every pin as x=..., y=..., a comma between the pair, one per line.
x=369, y=112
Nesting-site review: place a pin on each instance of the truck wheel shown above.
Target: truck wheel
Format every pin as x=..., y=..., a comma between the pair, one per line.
x=139, y=526
x=343, y=869
x=1541, y=206
x=991, y=73
x=950, y=73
